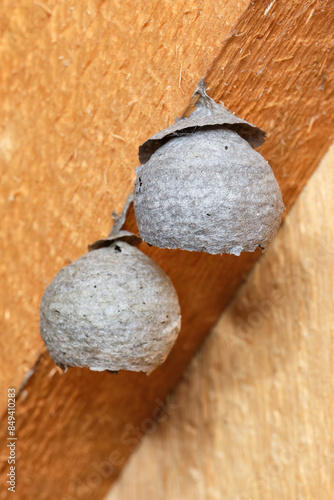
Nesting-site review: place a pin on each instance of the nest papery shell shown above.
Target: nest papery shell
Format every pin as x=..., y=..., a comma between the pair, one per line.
x=130, y=238
x=207, y=115
x=112, y=309
x=207, y=191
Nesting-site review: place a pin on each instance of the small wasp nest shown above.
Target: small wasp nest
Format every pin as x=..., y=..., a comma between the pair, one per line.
x=201, y=186
x=112, y=309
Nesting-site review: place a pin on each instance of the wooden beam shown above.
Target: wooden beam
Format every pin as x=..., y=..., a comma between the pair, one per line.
x=108, y=77
x=81, y=87
x=253, y=416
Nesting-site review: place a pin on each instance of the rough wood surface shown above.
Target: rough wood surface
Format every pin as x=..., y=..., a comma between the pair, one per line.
x=252, y=418
x=82, y=86
x=281, y=59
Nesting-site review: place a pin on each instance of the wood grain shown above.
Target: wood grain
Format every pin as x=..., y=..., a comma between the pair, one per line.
x=284, y=66
x=82, y=87
x=252, y=418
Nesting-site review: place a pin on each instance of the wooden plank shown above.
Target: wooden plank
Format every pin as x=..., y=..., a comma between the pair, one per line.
x=83, y=90
x=283, y=65
x=253, y=415
x=77, y=98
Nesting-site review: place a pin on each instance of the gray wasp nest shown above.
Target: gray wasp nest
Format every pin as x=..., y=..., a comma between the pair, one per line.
x=112, y=309
x=201, y=186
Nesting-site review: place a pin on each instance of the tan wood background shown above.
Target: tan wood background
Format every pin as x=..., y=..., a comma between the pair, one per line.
x=82, y=85
x=253, y=417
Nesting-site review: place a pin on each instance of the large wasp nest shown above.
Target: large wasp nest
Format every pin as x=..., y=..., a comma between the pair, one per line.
x=112, y=309
x=201, y=186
